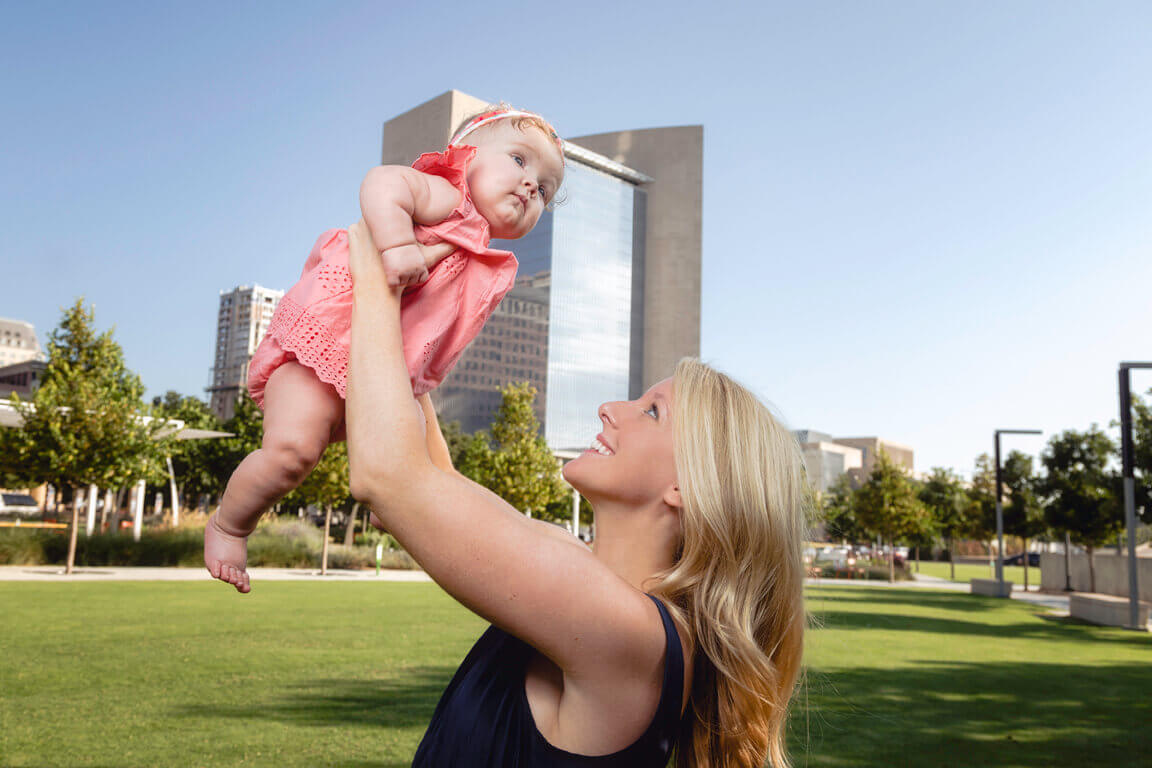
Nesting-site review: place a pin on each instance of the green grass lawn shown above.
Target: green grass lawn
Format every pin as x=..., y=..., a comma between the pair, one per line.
x=967, y=571
x=347, y=674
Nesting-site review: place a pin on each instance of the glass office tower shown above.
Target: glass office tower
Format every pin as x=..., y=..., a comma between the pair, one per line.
x=567, y=325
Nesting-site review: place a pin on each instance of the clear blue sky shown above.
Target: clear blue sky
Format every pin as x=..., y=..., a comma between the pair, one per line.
x=921, y=220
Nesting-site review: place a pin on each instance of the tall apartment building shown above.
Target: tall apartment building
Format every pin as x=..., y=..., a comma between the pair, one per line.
x=607, y=296
x=244, y=316
x=18, y=342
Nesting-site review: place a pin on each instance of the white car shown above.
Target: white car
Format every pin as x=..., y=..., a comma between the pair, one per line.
x=18, y=505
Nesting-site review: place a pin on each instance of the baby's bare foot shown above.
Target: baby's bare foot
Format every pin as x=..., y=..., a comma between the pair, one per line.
x=226, y=555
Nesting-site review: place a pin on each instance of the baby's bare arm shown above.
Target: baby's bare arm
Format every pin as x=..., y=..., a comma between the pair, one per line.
x=393, y=199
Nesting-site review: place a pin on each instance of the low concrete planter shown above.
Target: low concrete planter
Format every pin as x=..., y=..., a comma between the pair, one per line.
x=1106, y=610
x=991, y=588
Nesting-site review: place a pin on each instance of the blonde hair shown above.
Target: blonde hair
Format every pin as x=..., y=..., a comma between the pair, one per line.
x=737, y=586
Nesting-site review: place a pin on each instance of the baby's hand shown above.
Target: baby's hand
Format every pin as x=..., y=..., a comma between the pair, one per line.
x=404, y=265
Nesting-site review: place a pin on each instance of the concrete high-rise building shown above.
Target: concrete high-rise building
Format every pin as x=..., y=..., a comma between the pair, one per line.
x=243, y=319
x=607, y=297
x=18, y=342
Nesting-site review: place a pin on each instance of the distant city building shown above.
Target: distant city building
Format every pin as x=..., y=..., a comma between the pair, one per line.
x=827, y=458
x=607, y=298
x=243, y=319
x=870, y=448
x=825, y=461
x=18, y=342
x=21, y=379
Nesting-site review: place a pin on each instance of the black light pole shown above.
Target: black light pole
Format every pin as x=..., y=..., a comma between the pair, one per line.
x=1127, y=460
x=1000, y=509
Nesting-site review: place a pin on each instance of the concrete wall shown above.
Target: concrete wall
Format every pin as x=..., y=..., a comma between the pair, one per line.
x=1111, y=573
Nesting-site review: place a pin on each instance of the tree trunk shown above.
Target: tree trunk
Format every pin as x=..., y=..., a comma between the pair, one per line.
x=350, y=530
x=324, y=554
x=1091, y=569
x=891, y=561
x=916, y=554
x=952, y=559
x=72, y=535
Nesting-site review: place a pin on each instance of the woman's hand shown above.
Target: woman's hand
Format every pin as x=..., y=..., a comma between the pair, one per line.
x=364, y=261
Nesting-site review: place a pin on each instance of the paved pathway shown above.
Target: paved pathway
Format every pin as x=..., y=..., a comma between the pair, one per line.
x=56, y=573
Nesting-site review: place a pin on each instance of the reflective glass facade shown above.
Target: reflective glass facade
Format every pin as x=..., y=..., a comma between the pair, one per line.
x=568, y=325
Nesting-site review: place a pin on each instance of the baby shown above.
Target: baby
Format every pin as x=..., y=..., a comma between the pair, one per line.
x=433, y=223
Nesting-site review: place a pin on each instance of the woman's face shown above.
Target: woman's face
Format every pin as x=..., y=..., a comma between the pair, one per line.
x=632, y=460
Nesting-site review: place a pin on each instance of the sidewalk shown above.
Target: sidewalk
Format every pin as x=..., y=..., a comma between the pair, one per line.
x=56, y=573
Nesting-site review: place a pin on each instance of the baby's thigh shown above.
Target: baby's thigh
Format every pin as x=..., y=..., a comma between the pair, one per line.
x=300, y=409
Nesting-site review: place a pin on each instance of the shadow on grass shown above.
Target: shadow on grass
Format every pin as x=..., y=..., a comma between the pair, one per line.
x=967, y=714
x=405, y=700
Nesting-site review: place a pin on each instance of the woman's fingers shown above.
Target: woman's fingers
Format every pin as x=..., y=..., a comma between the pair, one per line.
x=363, y=258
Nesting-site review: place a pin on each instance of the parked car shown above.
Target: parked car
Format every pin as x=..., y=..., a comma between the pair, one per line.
x=1033, y=559
x=18, y=505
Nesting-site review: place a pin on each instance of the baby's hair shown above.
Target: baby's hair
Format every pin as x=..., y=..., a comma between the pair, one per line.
x=521, y=122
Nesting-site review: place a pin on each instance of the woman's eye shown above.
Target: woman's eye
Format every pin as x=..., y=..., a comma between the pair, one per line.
x=652, y=410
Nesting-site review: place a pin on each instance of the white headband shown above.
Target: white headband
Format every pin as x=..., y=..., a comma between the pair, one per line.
x=493, y=117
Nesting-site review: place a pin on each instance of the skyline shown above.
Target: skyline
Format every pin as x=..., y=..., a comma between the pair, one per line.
x=922, y=223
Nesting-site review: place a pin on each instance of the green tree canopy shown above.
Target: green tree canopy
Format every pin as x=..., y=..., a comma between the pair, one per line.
x=1079, y=487
x=515, y=463
x=838, y=508
x=85, y=424
x=1022, y=510
x=887, y=505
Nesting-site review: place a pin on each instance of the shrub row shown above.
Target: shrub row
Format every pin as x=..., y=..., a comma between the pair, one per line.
x=274, y=545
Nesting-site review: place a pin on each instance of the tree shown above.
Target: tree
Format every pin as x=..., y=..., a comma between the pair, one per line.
x=981, y=510
x=224, y=455
x=1023, y=513
x=887, y=506
x=943, y=496
x=839, y=511
x=326, y=486
x=1080, y=490
x=84, y=425
x=516, y=463
x=192, y=460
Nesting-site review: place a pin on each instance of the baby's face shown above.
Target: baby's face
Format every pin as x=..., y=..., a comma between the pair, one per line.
x=514, y=174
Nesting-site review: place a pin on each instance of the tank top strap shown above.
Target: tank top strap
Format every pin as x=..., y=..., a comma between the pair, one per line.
x=672, y=688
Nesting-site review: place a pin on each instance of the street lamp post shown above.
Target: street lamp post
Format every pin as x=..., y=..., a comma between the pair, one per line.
x=1000, y=508
x=1127, y=460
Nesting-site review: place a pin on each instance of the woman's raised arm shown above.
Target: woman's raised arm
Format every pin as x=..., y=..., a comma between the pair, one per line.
x=528, y=577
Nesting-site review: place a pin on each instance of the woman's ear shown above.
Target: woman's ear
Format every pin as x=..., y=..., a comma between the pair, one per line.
x=672, y=497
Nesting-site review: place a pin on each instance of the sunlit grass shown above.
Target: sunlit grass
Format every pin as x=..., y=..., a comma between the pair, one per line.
x=348, y=674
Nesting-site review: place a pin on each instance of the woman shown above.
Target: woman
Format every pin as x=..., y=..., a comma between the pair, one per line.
x=682, y=628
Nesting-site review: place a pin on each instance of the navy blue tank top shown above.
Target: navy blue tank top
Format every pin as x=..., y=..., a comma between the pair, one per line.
x=483, y=719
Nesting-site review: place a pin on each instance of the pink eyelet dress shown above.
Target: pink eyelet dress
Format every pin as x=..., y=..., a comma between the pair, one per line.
x=439, y=318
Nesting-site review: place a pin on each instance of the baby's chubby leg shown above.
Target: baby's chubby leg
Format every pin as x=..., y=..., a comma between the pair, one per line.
x=301, y=415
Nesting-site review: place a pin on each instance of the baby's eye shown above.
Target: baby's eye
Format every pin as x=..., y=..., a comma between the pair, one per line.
x=543, y=190
x=519, y=160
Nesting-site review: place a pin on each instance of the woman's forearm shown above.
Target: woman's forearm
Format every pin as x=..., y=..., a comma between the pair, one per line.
x=385, y=435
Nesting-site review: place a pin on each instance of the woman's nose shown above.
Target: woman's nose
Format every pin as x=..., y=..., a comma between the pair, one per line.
x=606, y=414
